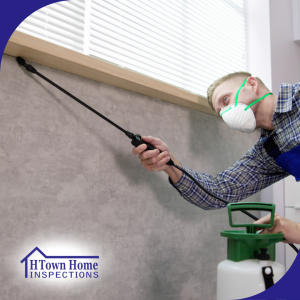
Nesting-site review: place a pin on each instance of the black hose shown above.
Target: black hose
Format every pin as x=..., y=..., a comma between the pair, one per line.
x=211, y=194
x=294, y=247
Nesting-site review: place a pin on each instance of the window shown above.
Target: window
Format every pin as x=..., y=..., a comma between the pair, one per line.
x=186, y=43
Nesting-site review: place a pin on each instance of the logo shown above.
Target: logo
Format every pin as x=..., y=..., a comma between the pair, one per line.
x=60, y=266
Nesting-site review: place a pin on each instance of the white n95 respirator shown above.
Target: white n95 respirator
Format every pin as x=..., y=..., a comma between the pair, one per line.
x=239, y=116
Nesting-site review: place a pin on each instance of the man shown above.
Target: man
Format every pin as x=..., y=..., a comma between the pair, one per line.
x=244, y=103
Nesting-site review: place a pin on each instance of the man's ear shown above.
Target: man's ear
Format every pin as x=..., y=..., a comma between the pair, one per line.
x=253, y=84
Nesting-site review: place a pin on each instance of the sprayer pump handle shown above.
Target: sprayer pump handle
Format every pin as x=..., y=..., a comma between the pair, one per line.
x=137, y=140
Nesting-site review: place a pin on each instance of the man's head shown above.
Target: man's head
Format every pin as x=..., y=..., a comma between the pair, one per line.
x=222, y=92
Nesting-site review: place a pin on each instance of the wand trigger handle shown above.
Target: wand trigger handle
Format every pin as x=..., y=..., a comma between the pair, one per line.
x=137, y=140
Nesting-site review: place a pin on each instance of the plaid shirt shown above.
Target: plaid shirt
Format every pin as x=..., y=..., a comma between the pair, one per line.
x=256, y=169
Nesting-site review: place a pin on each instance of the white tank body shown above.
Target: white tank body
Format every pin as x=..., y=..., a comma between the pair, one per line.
x=237, y=280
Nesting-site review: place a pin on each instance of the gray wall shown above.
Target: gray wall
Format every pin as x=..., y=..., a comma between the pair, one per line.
x=68, y=182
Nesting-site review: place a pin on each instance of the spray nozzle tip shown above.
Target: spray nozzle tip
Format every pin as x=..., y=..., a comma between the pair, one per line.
x=21, y=61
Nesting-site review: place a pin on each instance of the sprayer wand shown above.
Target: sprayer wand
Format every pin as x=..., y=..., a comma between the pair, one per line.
x=136, y=139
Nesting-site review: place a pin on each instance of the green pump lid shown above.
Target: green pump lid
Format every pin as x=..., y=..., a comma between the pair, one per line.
x=246, y=244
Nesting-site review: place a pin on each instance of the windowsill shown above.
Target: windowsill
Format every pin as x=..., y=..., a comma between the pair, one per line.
x=54, y=56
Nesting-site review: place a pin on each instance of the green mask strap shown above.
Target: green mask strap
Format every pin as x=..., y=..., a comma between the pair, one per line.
x=258, y=100
x=237, y=94
x=236, y=98
x=226, y=111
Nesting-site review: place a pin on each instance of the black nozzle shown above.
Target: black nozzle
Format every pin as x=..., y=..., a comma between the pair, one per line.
x=21, y=61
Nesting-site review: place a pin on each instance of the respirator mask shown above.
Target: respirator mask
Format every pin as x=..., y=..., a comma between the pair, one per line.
x=239, y=116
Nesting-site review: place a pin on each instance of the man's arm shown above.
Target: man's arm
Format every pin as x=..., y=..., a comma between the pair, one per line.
x=250, y=174
x=253, y=172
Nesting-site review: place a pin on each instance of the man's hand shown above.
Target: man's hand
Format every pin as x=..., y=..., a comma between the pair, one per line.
x=290, y=229
x=153, y=160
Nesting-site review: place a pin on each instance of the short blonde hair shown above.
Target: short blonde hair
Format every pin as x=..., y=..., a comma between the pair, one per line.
x=243, y=75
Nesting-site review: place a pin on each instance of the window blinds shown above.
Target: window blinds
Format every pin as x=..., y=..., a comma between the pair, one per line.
x=61, y=23
x=187, y=43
